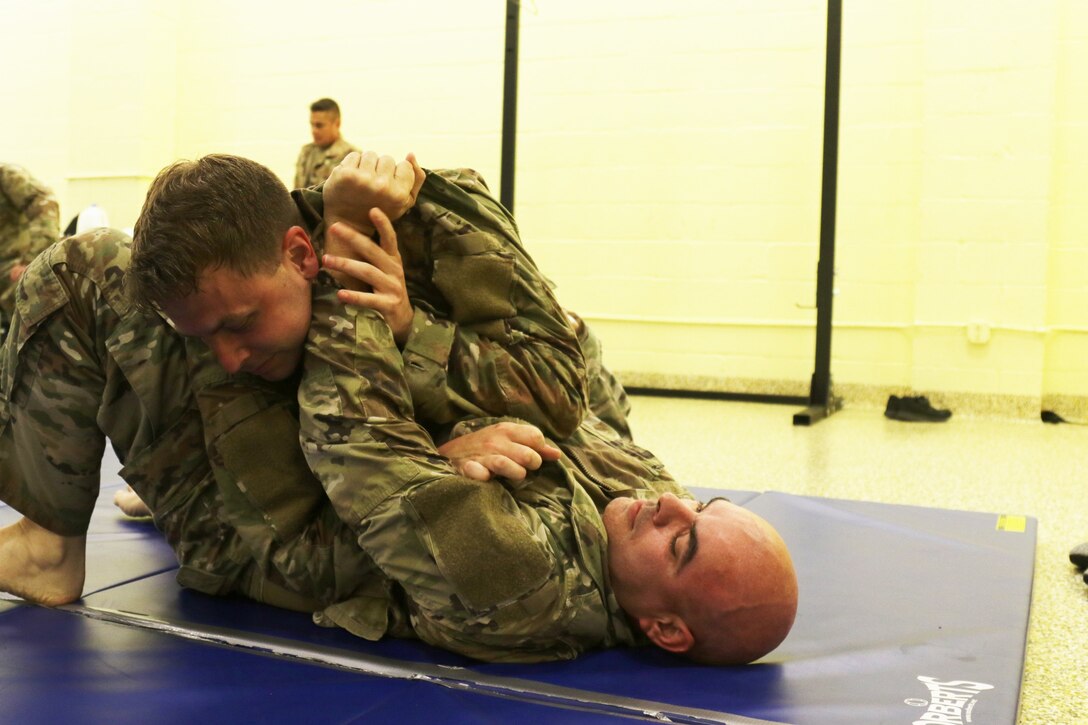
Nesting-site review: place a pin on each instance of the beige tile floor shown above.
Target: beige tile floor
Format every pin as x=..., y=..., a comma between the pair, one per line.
x=979, y=464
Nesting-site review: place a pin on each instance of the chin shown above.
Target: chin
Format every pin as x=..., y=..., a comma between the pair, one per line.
x=612, y=512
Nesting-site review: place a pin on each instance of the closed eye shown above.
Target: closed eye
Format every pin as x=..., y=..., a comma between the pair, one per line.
x=693, y=539
x=238, y=325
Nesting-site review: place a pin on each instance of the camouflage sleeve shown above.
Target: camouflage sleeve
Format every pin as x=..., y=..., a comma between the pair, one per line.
x=358, y=430
x=36, y=201
x=497, y=341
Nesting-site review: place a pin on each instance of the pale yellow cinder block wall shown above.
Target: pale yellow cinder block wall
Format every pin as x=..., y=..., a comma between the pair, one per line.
x=35, y=98
x=109, y=92
x=688, y=175
x=668, y=161
x=668, y=177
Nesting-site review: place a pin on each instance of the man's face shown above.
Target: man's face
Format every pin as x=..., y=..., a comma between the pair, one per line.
x=325, y=127
x=666, y=551
x=255, y=324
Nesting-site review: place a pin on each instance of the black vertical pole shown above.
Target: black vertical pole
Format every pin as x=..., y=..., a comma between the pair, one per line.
x=821, y=401
x=510, y=105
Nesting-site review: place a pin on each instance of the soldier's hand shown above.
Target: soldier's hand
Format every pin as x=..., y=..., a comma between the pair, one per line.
x=507, y=450
x=363, y=181
x=374, y=275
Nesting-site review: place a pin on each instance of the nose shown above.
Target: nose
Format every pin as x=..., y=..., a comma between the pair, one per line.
x=229, y=353
x=670, y=508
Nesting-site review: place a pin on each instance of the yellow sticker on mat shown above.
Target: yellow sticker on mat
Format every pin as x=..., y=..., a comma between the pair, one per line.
x=1008, y=522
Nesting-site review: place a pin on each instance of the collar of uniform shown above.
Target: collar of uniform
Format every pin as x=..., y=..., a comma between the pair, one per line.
x=592, y=541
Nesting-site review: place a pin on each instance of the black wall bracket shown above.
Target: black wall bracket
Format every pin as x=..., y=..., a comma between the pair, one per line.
x=821, y=400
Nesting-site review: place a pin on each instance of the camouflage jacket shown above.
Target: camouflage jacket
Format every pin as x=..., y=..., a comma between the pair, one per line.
x=314, y=163
x=488, y=336
x=29, y=222
x=496, y=572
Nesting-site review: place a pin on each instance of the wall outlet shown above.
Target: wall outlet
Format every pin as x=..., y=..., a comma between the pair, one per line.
x=978, y=332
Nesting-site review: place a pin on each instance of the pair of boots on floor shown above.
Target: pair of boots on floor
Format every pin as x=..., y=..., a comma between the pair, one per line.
x=1079, y=556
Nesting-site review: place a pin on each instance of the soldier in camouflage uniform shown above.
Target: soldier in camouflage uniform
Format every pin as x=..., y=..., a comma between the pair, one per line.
x=317, y=160
x=29, y=222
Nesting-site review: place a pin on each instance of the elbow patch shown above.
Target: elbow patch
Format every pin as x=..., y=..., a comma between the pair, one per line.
x=481, y=544
x=476, y=278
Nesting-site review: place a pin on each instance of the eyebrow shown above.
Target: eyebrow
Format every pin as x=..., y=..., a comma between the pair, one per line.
x=693, y=540
x=225, y=321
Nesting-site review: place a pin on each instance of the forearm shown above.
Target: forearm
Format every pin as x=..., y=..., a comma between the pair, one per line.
x=358, y=430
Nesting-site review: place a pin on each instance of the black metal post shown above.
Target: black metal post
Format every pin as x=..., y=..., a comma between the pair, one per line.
x=821, y=400
x=510, y=105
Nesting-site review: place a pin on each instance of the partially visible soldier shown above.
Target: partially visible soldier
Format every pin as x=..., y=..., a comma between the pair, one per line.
x=317, y=160
x=29, y=222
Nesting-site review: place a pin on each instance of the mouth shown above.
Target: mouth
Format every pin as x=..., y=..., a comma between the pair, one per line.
x=633, y=511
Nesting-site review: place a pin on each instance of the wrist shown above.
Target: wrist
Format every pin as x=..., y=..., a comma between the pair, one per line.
x=403, y=326
x=363, y=226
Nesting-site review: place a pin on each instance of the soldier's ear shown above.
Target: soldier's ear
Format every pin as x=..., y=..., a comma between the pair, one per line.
x=298, y=252
x=668, y=631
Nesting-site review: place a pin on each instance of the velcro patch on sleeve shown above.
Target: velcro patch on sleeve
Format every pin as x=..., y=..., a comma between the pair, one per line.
x=480, y=541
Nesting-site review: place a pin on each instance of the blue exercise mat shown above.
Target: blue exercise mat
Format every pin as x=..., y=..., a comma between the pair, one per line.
x=907, y=614
x=58, y=668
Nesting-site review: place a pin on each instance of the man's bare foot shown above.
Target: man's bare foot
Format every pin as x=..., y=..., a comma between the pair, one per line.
x=41, y=566
x=130, y=503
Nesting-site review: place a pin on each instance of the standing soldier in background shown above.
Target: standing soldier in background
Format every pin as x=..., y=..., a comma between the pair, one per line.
x=317, y=160
x=29, y=222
